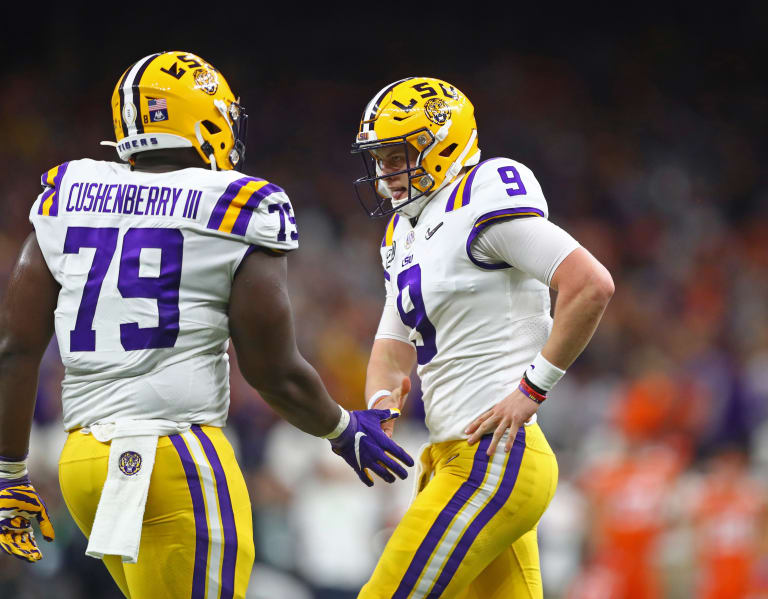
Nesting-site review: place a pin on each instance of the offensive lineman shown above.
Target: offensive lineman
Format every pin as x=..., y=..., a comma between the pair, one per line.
x=145, y=270
x=468, y=258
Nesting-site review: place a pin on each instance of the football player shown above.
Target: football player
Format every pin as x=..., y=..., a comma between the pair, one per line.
x=469, y=256
x=144, y=268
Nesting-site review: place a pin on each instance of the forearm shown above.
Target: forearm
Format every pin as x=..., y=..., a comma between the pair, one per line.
x=381, y=374
x=577, y=313
x=18, y=388
x=298, y=395
x=390, y=362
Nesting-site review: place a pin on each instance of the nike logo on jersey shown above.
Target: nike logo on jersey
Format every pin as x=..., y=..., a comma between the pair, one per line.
x=358, y=437
x=431, y=232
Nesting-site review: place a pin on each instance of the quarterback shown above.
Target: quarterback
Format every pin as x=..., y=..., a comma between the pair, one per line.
x=469, y=256
x=144, y=268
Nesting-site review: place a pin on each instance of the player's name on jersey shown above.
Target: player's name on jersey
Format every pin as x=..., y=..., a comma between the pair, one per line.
x=141, y=200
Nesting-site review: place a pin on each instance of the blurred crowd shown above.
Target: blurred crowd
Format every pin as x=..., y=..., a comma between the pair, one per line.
x=661, y=426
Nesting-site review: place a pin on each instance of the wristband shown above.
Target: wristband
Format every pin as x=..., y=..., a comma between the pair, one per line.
x=340, y=427
x=11, y=469
x=543, y=374
x=527, y=389
x=377, y=396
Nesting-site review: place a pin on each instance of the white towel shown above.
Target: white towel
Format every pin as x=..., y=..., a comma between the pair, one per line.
x=120, y=513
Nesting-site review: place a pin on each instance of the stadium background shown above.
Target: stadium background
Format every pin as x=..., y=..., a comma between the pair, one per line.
x=647, y=135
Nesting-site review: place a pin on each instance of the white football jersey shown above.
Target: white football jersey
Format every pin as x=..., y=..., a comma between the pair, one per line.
x=476, y=326
x=145, y=262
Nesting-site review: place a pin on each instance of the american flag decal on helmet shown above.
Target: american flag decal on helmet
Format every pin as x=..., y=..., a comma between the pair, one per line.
x=158, y=109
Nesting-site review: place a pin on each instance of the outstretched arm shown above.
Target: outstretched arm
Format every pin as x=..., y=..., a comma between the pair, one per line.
x=262, y=329
x=261, y=325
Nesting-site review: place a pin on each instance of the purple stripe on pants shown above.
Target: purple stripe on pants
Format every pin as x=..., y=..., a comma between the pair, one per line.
x=489, y=511
x=214, y=222
x=444, y=519
x=227, y=516
x=201, y=522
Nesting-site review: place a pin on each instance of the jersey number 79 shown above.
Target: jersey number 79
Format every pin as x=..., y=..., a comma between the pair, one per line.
x=164, y=288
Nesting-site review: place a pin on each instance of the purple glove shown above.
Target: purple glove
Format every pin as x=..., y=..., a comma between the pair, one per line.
x=364, y=446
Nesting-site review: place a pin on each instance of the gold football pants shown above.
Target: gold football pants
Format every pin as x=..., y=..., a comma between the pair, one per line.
x=197, y=536
x=470, y=533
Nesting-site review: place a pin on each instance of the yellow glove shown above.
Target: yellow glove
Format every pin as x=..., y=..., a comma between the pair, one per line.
x=19, y=504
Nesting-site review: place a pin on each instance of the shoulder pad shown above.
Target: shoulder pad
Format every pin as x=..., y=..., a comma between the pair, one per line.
x=389, y=234
x=233, y=210
x=256, y=210
x=499, y=184
x=51, y=182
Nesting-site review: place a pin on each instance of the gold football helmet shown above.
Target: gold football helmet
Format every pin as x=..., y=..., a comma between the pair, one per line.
x=433, y=117
x=177, y=100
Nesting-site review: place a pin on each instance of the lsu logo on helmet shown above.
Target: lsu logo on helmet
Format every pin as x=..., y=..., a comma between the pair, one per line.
x=178, y=100
x=429, y=115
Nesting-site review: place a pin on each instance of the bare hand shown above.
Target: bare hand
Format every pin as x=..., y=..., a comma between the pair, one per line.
x=510, y=413
x=394, y=401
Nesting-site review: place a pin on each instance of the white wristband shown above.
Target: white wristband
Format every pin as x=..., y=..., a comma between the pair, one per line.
x=543, y=373
x=13, y=469
x=340, y=427
x=377, y=396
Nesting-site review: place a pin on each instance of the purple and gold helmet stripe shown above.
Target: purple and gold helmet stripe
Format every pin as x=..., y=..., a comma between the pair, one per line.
x=490, y=218
x=488, y=511
x=129, y=93
x=121, y=95
x=235, y=207
x=49, y=203
x=226, y=513
x=444, y=520
x=136, y=83
x=201, y=522
x=390, y=231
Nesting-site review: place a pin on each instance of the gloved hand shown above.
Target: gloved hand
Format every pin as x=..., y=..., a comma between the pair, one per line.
x=364, y=446
x=19, y=504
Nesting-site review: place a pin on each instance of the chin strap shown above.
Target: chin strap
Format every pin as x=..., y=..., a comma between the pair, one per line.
x=205, y=146
x=441, y=134
x=222, y=108
x=456, y=167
